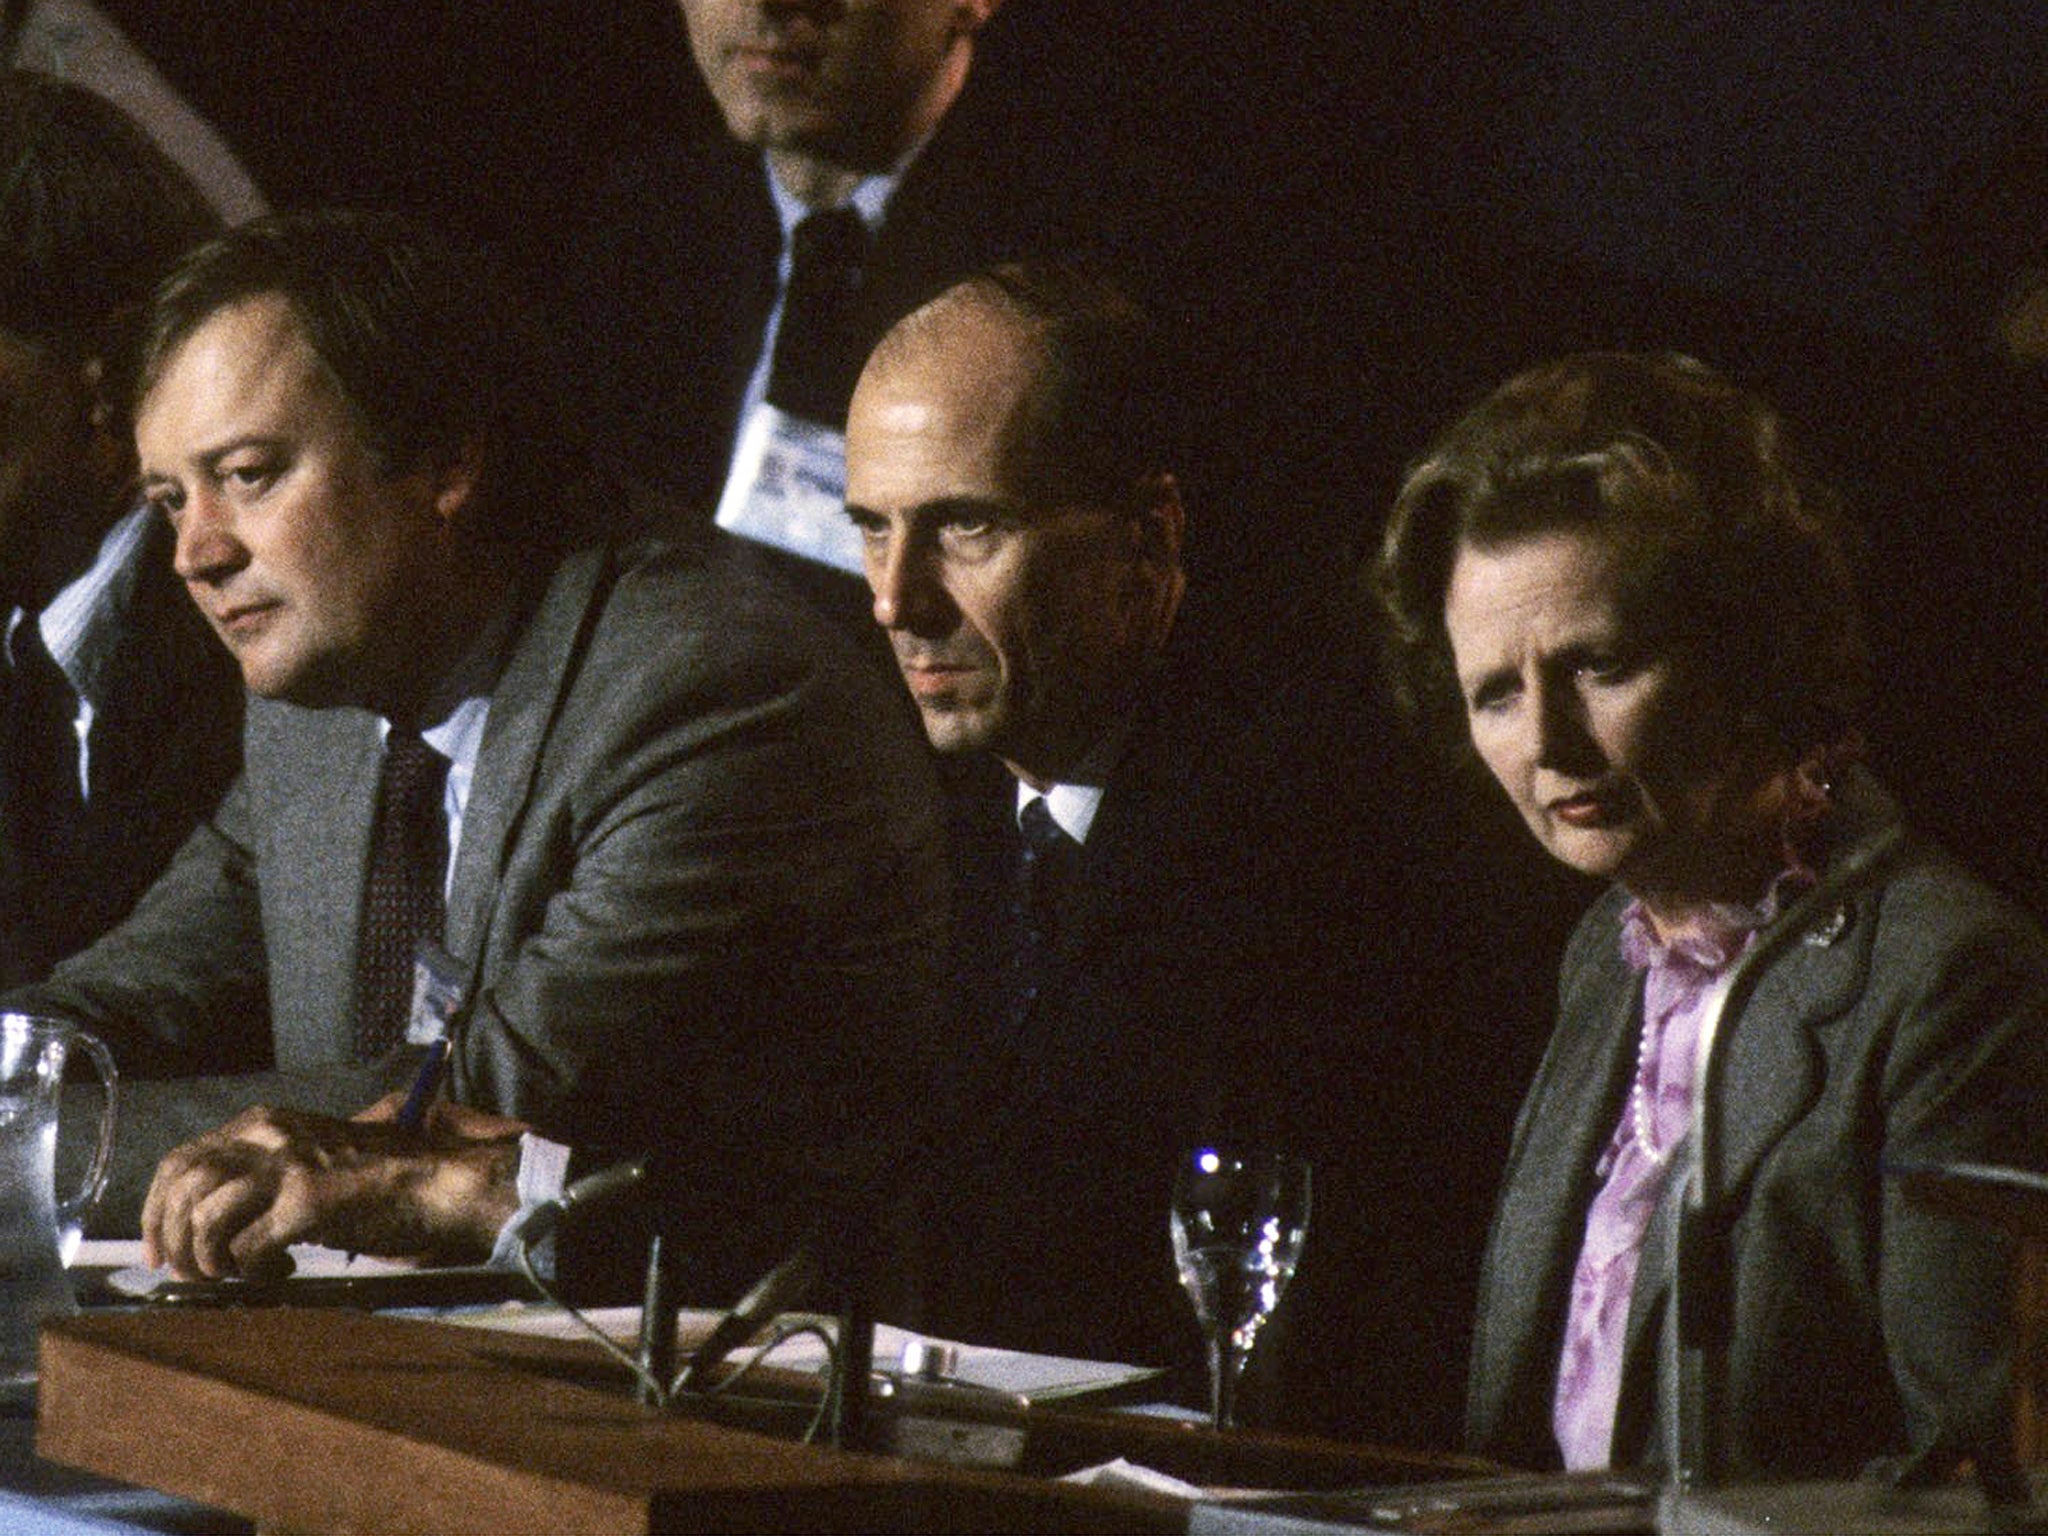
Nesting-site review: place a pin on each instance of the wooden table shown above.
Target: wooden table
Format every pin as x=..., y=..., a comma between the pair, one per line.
x=315, y=1422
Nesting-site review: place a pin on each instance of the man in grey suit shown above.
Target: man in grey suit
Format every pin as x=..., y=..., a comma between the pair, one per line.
x=692, y=874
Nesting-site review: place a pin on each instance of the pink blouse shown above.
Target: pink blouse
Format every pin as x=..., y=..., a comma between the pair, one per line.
x=1679, y=986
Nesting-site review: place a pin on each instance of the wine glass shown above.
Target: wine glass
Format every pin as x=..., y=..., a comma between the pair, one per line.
x=1239, y=1219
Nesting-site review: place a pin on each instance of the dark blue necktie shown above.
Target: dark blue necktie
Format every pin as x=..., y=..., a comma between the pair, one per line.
x=1044, y=859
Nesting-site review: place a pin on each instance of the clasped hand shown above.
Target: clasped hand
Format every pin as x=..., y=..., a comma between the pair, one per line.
x=231, y=1201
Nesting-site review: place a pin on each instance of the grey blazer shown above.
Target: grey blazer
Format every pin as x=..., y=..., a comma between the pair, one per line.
x=1915, y=1020
x=700, y=888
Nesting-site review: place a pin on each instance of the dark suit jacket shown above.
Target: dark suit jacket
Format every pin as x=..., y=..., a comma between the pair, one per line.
x=1862, y=1326
x=667, y=275
x=1217, y=939
x=699, y=892
x=165, y=743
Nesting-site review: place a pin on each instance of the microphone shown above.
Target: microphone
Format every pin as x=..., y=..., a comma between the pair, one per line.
x=596, y=1189
x=781, y=1288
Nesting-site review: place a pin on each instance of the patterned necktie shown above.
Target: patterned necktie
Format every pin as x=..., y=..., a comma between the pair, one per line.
x=1043, y=859
x=44, y=802
x=817, y=355
x=403, y=898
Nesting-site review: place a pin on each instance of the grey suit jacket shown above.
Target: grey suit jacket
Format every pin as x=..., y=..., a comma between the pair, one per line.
x=700, y=889
x=1914, y=1022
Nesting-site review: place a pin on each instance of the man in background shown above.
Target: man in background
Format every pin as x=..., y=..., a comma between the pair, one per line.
x=721, y=297
x=122, y=715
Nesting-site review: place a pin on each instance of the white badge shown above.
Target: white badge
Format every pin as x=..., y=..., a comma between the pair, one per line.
x=788, y=488
x=438, y=983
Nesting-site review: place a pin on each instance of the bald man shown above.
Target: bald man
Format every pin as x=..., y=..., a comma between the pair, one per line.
x=1187, y=931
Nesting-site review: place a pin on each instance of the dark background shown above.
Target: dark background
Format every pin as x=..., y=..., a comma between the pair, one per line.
x=1376, y=211
x=1394, y=204
x=1385, y=207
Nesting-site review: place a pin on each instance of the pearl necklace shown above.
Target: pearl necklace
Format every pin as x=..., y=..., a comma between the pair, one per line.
x=1639, y=1102
x=1641, y=1118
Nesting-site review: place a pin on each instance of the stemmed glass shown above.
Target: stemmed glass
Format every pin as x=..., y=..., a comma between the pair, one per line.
x=1239, y=1219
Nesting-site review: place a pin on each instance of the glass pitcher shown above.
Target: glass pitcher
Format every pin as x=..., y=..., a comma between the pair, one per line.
x=35, y=1227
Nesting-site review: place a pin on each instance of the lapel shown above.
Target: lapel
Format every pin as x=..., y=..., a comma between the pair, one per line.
x=1775, y=1067
x=1136, y=848
x=524, y=704
x=675, y=279
x=1774, y=1071
x=985, y=852
x=936, y=230
x=1092, y=897
x=730, y=300
x=1564, y=1126
x=166, y=738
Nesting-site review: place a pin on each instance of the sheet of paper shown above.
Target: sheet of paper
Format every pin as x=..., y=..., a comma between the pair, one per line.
x=131, y=1277
x=1039, y=1377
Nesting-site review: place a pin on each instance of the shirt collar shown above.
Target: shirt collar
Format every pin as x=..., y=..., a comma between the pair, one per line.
x=1723, y=932
x=460, y=734
x=81, y=625
x=464, y=703
x=869, y=199
x=1072, y=806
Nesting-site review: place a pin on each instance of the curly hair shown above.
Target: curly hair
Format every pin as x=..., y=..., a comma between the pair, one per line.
x=1733, y=551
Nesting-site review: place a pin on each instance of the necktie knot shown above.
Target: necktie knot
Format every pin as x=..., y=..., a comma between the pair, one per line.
x=414, y=774
x=1043, y=836
x=828, y=246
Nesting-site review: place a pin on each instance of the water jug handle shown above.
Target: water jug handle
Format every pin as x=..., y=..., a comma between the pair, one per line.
x=72, y=1212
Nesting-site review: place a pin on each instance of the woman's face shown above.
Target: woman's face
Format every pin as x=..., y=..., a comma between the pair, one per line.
x=1617, y=753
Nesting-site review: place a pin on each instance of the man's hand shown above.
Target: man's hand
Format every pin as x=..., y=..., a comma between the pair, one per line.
x=445, y=1119
x=231, y=1201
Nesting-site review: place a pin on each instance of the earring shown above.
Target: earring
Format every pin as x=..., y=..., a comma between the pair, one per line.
x=99, y=411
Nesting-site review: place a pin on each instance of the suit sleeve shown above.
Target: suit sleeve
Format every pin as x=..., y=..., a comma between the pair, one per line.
x=179, y=993
x=179, y=986
x=729, y=912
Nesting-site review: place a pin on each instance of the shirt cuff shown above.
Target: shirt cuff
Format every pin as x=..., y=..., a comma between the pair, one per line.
x=543, y=1172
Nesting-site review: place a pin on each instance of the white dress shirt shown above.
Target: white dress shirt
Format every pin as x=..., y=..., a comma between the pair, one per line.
x=81, y=627
x=458, y=735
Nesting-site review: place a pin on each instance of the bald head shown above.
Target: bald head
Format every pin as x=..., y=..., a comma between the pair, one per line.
x=1025, y=575
x=952, y=395
x=1095, y=418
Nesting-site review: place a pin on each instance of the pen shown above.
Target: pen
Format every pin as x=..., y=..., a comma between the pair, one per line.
x=413, y=1113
